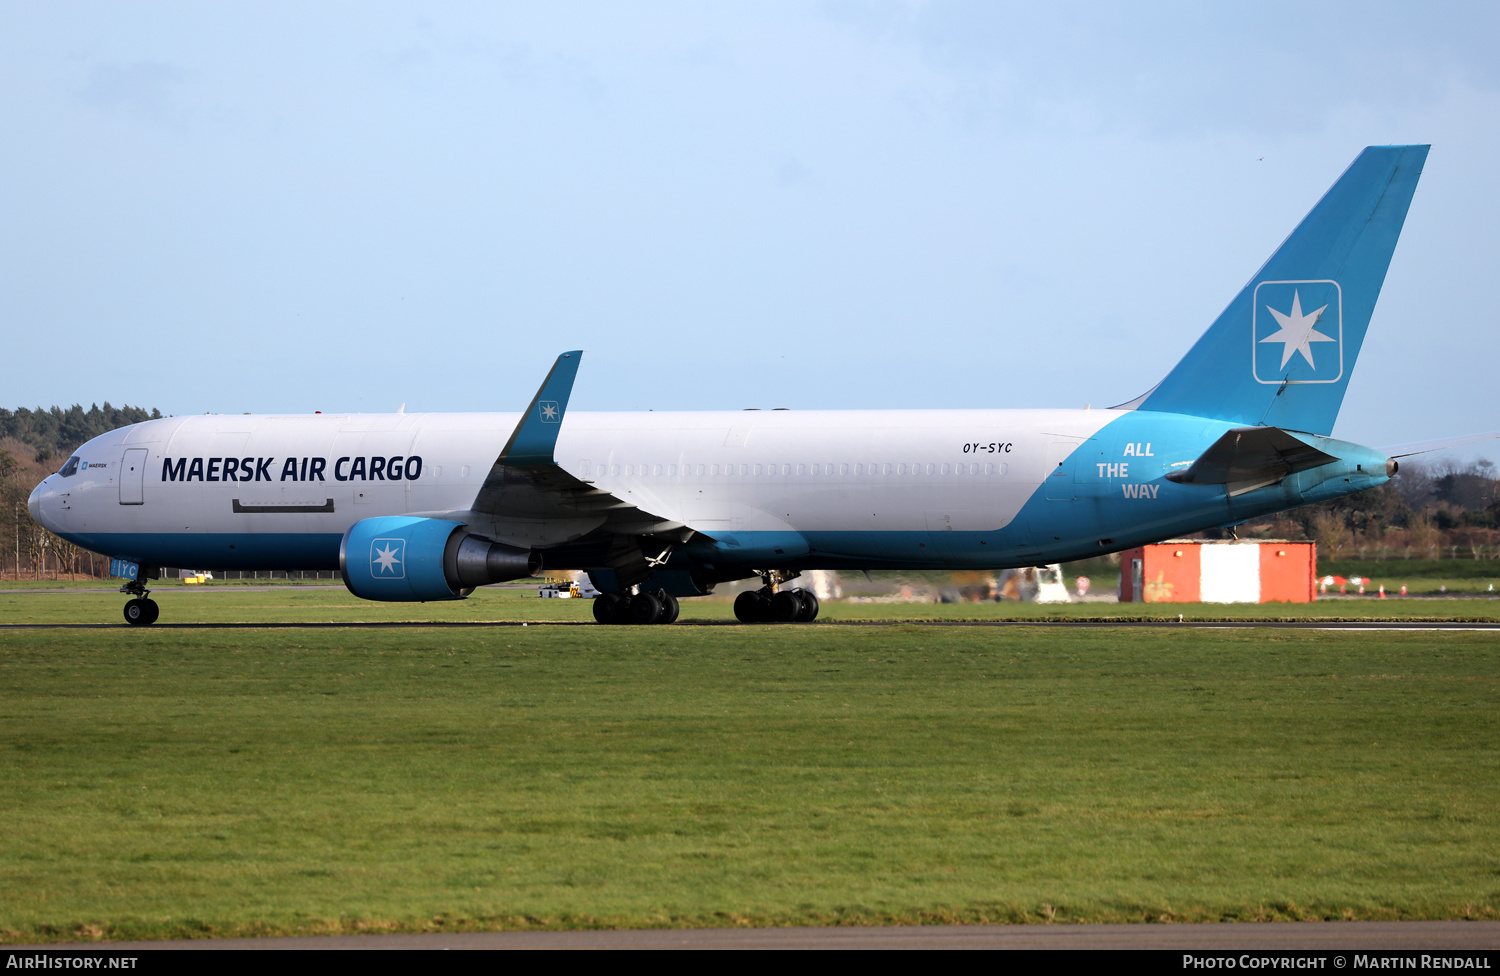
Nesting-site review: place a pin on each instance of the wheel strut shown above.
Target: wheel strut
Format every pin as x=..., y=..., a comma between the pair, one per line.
x=140, y=610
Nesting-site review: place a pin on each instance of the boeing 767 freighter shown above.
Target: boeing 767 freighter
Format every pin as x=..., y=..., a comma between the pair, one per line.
x=661, y=506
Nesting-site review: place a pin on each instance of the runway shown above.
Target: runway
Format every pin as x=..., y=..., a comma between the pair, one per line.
x=1371, y=625
x=1212, y=937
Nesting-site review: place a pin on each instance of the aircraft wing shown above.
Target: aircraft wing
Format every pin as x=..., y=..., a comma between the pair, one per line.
x=528, y=495
x=1247, y=458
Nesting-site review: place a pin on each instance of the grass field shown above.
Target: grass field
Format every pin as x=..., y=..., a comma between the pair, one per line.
x=237, y=781
x=333, y=604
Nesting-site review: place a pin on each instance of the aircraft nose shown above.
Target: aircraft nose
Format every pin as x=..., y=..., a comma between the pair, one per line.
x=34, y=504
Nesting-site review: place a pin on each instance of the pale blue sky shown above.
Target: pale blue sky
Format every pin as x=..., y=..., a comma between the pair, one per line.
x=344, y=206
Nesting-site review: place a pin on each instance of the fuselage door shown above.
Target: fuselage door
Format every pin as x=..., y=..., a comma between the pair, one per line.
x=1059, y=471
x=133, y=477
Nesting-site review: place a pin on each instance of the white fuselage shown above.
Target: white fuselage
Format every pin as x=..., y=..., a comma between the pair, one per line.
x=227, y=490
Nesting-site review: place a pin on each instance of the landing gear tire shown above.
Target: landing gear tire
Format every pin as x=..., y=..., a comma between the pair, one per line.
x=786, y=606
x=809, y=607
x=669, y=608
x=612, y=609
x=645, y=609
x=141, y=612
x=747, y=607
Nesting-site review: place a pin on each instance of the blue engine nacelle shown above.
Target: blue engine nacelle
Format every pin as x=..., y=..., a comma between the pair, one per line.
x=400, y=558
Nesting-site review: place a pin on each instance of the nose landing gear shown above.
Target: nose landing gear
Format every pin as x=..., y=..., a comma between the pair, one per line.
x=141, y=610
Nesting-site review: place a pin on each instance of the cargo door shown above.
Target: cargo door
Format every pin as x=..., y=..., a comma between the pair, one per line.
x=133, y=477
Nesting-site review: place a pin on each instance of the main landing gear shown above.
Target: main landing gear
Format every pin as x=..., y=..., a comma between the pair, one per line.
x=660, y=607
x=140, y=611
x=767, y=606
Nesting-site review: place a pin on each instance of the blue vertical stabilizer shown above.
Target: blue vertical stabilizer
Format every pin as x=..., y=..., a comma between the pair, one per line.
x=1281, y=354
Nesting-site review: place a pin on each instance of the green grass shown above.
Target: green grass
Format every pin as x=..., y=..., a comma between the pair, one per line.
x=1419, y=575
x=333, y=604
x=216, y=782
x=1483, y=571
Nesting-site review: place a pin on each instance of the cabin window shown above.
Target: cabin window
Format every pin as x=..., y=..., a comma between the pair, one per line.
x=931, y=467
x=900, y=468
x=801, y=468
x=700, y=470
x=786, y=469
x=859, y=469
x=989, y=469
x=757, y=469
x=744, y=470
x=671, y=470
x=944, y=471
x=843, y=469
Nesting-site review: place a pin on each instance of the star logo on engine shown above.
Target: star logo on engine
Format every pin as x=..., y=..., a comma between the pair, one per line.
x=385, y=559
x=1297, y=332
x=550, y=411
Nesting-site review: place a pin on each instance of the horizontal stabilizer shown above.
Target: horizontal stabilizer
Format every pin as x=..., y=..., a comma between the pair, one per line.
x=1427, y=447
x=1247, y=458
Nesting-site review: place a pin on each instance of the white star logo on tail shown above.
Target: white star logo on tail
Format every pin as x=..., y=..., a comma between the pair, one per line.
x=1297, y=332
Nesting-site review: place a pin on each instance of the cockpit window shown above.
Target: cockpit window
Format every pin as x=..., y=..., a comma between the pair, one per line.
x=69, y=469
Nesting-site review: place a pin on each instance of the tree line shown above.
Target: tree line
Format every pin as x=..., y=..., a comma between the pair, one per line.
x=57, y=433
x=33, y=444
x=1434, y=511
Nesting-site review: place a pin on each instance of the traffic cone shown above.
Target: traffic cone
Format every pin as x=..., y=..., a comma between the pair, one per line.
x=1382, y=591
x=1403, y=589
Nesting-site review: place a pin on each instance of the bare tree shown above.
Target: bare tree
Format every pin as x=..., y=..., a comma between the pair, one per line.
x=1424, y=535
x=1331, y=534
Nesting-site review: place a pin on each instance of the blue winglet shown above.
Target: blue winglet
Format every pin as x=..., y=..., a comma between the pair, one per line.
x=532, y=442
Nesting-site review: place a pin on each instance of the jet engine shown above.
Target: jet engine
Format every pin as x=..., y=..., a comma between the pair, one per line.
x=400, y=558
